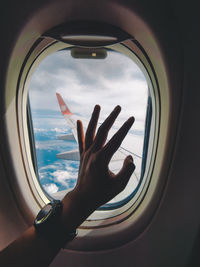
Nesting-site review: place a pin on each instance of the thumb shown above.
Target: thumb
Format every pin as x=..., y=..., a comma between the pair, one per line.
x=125, y=173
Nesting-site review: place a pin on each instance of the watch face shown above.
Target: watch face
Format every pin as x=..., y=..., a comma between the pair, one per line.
x=44, y=214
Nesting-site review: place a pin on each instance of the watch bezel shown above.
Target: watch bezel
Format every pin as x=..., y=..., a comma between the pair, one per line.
x=51, y=215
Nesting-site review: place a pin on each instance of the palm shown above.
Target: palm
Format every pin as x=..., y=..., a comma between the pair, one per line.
x=95, y=179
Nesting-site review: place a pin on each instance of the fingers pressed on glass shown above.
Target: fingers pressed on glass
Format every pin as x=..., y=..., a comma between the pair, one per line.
x=90, y=133
x=103, y=130
x=115, y=142
x=80, y=134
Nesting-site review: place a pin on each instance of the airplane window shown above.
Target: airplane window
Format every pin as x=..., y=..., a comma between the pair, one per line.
x=65, y=87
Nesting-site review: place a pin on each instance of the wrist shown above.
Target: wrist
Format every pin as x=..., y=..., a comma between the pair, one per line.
x=75, y=210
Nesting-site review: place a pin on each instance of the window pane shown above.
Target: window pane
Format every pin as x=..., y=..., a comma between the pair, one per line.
x=82, y=83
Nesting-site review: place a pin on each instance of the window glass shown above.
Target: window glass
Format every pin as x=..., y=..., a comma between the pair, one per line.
x=82, y=83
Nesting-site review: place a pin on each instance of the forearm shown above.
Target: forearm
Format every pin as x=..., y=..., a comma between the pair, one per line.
x=33, y=250
x=28, y=250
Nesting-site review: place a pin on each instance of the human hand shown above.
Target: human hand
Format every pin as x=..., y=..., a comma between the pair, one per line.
x=96, y=183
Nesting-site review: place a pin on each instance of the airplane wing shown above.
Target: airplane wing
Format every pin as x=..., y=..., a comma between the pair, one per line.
x=69, y=155
x=68, y=115
x=118, y=157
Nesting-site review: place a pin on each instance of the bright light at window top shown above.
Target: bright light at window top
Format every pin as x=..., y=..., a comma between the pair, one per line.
x=96, y=38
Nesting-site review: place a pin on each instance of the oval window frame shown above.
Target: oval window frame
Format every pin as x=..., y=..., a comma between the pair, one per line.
x=40, y=50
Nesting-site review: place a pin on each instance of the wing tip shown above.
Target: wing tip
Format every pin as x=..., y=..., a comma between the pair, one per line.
x=63, y=107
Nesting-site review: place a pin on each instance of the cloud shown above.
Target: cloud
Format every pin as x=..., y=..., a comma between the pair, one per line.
x=52, y=130
x=84, y=71
x=46, y=167
x=62, y=174
x=51, y=188
x=55, y=145
x=63, y=177
x=84, y=83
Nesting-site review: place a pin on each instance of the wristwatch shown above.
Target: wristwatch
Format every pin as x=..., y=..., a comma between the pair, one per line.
x=48, y=226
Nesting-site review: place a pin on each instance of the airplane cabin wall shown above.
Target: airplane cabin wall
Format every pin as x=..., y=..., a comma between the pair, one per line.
x=170, y=238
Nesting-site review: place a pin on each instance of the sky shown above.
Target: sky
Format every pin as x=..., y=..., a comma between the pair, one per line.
x=116, y=80
x=86, y=82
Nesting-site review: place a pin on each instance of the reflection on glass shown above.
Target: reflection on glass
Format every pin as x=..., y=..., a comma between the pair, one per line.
x=82, y=83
